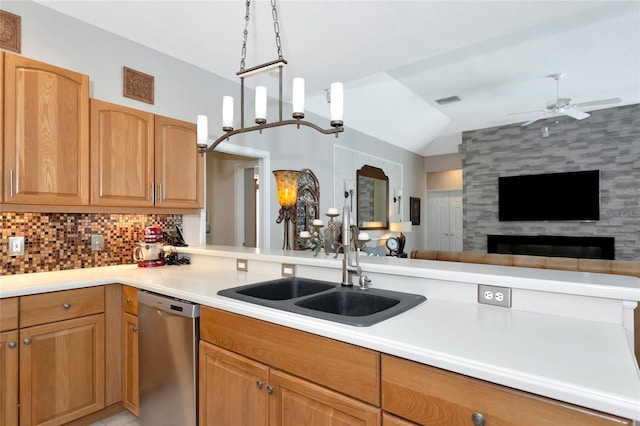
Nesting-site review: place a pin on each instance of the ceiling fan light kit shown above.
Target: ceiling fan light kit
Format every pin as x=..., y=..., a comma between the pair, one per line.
x=563, y=106
x=205, y=144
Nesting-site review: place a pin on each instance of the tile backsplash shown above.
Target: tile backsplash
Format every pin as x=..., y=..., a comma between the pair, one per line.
x=60, y=241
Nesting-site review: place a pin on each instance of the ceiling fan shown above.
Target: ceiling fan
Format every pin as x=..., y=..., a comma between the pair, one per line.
x=563, y=106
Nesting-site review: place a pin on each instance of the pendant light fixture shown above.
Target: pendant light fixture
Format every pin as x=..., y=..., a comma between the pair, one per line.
x=336, y=104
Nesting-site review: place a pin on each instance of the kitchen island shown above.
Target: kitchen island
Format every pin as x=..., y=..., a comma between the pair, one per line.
x=567, y=336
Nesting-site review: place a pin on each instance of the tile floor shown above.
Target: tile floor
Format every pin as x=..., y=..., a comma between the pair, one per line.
x=124, y=418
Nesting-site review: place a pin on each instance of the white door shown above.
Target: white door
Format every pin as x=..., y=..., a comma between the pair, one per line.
x=455, y=221
x=444, y=219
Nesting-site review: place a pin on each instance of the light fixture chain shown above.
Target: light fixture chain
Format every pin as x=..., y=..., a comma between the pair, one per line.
x=276, y=28
x=243, y=54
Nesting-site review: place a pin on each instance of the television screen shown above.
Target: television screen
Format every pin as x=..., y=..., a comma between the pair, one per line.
x=553, y=196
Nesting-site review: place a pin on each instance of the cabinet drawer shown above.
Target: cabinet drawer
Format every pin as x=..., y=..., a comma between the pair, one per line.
x=428, y=395
x=130, y=300
x=346, y=368
x=61, y=305
x=8, y=314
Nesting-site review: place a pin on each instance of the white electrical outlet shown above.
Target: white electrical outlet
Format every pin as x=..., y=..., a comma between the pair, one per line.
x=492, y=295
x=97, y=242
x=16, y=246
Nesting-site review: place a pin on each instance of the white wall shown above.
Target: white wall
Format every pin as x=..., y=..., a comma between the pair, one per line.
x=182, y=91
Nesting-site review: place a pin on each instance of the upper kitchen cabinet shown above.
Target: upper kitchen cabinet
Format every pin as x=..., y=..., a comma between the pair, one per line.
x=142, y=160
x=179, y=168
x=122, y=156
x=46, y=134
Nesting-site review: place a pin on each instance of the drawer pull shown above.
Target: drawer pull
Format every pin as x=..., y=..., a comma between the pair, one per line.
x=12, y=345
x=269, y=389
x=478, y=419
x=66, y=305
x=27, y=341
x=259, y=384
x=129, y=300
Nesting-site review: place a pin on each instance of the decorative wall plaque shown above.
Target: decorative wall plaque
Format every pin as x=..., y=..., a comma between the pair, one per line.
x=137, y=85
x=9, y=31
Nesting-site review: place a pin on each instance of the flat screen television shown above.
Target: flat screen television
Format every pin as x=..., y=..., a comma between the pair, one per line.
x=571, y=196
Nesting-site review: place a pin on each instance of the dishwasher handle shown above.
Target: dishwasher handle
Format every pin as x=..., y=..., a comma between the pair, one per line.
x=168, y=304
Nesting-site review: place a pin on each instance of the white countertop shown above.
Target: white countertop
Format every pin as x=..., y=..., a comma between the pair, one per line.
x=587, y=363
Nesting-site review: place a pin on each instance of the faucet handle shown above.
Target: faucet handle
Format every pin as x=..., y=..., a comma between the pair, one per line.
x=364, y=282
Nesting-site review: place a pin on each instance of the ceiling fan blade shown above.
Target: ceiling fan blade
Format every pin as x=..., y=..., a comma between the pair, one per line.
x=527, y=112
x=577, y=114
x=599, y=102
x=526, y=123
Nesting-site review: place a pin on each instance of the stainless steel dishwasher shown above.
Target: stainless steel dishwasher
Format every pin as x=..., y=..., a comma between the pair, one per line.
x=168, y=334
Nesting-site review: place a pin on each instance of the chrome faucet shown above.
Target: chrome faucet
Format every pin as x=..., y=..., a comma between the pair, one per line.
x=349, y=270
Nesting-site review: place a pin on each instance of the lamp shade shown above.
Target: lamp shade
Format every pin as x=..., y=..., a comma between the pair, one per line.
x=404, y=227
x=202, y=130
x=287, y=186
x=261, y=104
x=297, y=100
x=337, y=99
x=227, y=113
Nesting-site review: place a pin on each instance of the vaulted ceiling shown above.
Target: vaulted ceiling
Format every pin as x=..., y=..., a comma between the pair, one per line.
x=397, y=57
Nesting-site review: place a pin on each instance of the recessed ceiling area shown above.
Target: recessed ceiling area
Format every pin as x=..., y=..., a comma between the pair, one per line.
x=397, y=57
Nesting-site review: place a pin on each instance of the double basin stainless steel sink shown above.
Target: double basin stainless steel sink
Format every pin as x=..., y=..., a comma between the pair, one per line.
x=326, y=300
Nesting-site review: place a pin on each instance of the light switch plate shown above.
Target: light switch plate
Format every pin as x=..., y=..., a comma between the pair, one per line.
x=242, y=265
x=288, y=270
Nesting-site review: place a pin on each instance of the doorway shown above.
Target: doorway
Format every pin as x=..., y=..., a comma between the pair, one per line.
x=444, y=220
x=234, y=209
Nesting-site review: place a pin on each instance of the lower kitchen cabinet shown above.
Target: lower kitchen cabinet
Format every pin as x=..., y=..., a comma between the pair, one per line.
x=235, y=390
x=299, y=402
x=389, y=420
x=130, y=378
x=232, y=388
x=61, y=370
x=431, y=396
x=9, y=378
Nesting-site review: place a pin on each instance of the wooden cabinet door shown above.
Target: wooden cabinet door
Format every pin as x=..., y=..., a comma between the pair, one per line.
x=46, y=133
x=9, y=378
x=61, y=371
x=122, y=156
x=297, y=402
x=233, y=389
x=130, y=377
x=179, y=167
x=430, y=396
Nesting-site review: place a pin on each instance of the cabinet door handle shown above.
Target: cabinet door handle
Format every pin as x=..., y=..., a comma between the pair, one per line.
x=66, y=305
x=12, y=345
x=259, y=384
x=11, y=183
x=27, y=341
x=160, y=195
x=269, y=389
x=135, y=329
x=153, y=192
x=478, y=419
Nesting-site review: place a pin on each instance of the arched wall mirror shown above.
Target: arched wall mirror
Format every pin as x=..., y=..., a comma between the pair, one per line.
x=372, y=187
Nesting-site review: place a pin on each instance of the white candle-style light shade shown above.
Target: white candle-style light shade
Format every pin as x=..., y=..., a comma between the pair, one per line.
x=297, y=100
x=261, y=105
x=337, y=104
x=202, y=130
x=227, y=113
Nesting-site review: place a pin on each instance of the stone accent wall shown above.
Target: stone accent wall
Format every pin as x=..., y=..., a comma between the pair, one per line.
x=60, y=241
x=608, y=140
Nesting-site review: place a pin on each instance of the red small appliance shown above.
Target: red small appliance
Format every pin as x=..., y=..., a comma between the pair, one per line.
x=149, y=253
